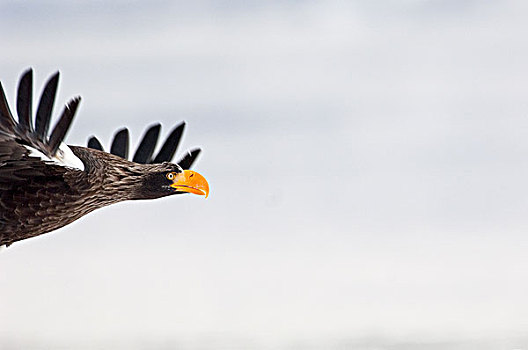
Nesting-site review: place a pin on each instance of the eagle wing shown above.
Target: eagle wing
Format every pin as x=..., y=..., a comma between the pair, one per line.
x=145, y=151
x=26, y=150
x=34, y=164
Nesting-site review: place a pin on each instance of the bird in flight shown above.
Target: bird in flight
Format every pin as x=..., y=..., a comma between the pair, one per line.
x=46, y=184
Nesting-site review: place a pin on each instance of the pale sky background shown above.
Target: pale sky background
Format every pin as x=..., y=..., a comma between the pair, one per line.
x=368, y=163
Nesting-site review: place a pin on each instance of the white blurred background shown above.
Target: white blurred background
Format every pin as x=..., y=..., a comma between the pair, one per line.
x=368, y=163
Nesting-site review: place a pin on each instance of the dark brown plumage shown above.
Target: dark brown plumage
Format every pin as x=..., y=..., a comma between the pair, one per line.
x=45, y=184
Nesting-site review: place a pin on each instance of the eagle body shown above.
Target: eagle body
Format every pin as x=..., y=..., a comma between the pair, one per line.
x=45, y=184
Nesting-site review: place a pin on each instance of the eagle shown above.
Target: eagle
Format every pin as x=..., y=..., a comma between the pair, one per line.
x=46, y=184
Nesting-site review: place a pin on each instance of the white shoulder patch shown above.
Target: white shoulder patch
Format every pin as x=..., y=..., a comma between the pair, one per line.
x=64, y=157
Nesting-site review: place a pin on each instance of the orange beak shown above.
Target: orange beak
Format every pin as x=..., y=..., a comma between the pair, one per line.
x=191, y=182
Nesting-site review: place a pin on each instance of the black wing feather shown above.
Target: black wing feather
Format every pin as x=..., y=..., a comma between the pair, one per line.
x=62, y=126
x=120, y=144
x=147, y=145
x=24, y=101
x=94, y=143
x=45, y=107
x=187, y=161
x=170, y=146
x=7, y=122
